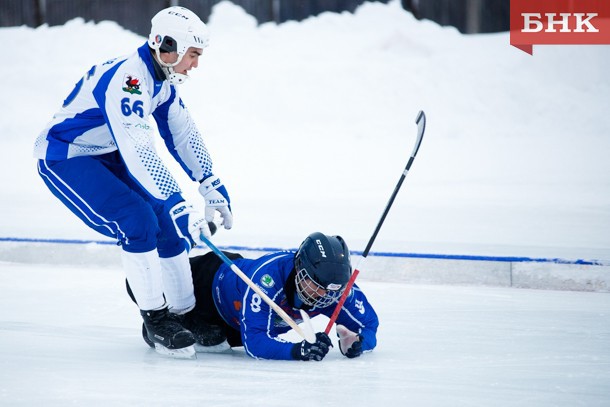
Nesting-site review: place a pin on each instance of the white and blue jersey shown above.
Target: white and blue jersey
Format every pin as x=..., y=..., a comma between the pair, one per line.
x=244, y=310
x=97, y=154
x=108, y=110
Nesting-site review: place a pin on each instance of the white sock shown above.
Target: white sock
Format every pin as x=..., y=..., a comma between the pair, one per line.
x=178, y=283
x=143, y=271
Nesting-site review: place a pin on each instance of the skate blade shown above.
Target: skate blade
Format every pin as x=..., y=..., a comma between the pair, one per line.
x=220, y=348
x=182, y=353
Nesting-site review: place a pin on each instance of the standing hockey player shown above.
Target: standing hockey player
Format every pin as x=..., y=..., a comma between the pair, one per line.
x=97, y=156
x=311, y=279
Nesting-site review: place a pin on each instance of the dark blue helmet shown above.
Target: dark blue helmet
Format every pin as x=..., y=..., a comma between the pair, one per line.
x=325, y=261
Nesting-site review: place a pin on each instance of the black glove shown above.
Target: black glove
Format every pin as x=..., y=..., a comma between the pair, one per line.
x=312, y=351
x=350, y=343
x=353, y=351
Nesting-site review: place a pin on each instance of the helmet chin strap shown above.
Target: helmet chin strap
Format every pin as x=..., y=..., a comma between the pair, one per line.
x=174, y=78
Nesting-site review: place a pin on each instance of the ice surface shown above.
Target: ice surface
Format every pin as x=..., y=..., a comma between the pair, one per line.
x=71, y=336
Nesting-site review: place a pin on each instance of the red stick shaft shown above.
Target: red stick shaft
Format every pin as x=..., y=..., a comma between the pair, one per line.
x=348, y=287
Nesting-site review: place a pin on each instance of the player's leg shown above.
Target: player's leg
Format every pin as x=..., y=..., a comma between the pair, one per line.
x=176, y=276
x=98, y=197
x=208, y=326
x=171, y=248
x=173, y=254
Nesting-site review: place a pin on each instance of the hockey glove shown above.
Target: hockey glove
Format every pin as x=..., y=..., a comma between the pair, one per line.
x=190, y=224
x=216, y=199
x=350, y=343
x=312, y=351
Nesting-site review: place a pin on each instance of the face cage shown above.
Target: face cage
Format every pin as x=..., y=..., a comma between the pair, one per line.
x=303, y=281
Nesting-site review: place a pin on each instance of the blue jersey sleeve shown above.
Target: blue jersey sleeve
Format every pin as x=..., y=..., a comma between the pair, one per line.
x=258, y=328
x=358, y=315
x=244, y=309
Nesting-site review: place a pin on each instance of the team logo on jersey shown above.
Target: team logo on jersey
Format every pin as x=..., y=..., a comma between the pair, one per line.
x=267, y=281
x=360, y=306
x=132, y=85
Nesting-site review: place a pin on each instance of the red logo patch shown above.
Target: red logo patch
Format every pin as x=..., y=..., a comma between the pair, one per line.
x=132, y=85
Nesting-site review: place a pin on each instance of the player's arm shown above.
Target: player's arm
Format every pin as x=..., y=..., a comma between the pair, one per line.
x=261, y=341
x=182, y=138
x=258, y=335
x=186, y=145
x=357, y=325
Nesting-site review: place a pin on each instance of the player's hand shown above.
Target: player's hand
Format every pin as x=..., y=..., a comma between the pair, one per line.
x=190, y=224
x=350, y=343
x=312, y=351
x=216, y=199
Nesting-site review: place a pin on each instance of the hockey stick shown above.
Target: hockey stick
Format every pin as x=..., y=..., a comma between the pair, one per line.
x=421, y=128
x=309, y=337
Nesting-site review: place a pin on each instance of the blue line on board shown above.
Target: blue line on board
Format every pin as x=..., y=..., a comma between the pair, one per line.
x=379, y=254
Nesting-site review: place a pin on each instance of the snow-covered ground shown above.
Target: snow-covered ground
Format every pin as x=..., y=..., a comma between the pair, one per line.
x=310, y=125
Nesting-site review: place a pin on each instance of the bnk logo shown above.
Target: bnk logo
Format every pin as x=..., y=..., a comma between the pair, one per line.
x=558, y=22
x=582, y=23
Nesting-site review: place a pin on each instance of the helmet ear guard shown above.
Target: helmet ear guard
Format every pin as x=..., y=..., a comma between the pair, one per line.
x=168, y=44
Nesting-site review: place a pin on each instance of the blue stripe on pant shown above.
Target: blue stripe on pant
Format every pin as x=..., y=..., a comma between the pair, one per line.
x=99, y=190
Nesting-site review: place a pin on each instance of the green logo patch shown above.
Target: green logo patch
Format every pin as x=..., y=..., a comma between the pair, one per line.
x=267, y=281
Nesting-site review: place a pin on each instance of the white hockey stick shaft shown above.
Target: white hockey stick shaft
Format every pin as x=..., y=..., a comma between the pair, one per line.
x=258, y=291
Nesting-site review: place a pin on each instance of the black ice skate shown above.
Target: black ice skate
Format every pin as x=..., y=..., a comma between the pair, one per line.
x=209, y=338
x=168, y=337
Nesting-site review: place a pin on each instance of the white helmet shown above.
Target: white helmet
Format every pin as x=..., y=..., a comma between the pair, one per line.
x=175, y=29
